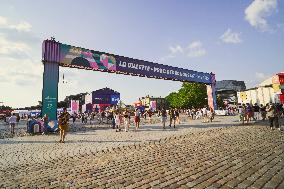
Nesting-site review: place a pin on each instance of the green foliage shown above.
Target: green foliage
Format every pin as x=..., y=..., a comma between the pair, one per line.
x=190, y=95
x=5, y=107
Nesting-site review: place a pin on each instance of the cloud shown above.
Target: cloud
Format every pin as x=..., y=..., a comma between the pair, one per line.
x=23, y=26
x=17, y=41
x=20, y=52
x=195, y=49
x=3, y=21
x=176, y=49
x=261, y=76
x=9, y=48
x=231, y=37
x=258, y=11
x=164, y=58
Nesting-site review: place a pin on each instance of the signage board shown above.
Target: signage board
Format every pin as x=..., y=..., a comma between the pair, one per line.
x=70, y=56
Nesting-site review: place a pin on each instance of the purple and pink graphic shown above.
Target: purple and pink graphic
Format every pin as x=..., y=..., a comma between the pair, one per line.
x=78, y=57
x=75, y=106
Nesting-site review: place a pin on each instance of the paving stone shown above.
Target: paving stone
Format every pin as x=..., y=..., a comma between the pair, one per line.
x=233, y=157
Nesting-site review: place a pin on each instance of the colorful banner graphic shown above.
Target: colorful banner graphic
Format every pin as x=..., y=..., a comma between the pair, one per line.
x=88, y=59
x=275, y=79
x=88, y=98
x=82, y=58
x=74, y=106
x=210, y=97
x=114, y=99
x=153, y=105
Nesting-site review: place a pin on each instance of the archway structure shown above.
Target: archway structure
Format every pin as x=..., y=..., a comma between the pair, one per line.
x=55, y=54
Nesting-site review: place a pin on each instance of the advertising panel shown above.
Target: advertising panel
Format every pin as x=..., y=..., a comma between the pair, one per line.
x=71, y=56
x=74, y=106
x=100, y=99
x=114, y=99
x=153, y=105
x=88, y=98
x=210, y=97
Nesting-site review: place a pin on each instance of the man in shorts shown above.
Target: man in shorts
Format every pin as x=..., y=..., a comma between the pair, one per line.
x=12, y=122
x=63, y=122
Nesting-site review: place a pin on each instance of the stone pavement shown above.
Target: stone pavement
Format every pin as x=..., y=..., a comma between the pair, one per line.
x=214, y=156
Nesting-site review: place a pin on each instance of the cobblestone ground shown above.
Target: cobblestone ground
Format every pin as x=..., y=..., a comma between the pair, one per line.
x=211, y=156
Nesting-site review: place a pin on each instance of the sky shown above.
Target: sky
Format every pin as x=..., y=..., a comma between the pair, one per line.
x=237, y=40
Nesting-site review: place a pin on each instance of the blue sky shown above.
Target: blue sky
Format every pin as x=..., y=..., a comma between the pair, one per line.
x=241, y=40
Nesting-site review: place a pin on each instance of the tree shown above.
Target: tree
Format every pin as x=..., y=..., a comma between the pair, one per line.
x=189, y=95
x=173, y=100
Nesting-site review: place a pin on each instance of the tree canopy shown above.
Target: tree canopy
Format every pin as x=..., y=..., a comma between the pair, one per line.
x=189, y=95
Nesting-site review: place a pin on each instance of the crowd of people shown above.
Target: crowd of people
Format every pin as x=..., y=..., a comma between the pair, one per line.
x=271, y=111
x=123, y=119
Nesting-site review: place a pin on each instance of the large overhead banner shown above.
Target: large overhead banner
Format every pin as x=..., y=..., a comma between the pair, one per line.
x=70, y=56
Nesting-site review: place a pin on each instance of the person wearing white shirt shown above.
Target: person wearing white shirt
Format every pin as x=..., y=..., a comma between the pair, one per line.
x=12, y=122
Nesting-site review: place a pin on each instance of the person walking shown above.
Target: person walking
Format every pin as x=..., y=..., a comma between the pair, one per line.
x=164, y=117
x=249, y=112
x=256, y=110
x=204, y=114
x=172, y=117
x=137, y=119
x=117, y=121
x=177, y=116
x=12, y=121
x=63, y=122
x=278, y=113
x=210, y=114
x=126, y=120
x=242, y=112
x=111, y=117
x=103, y=115
x=82, y=118
x=45, y=124
x=18, y=119
x=150, y=115
x=262, y=112
x=271, y=114
x=74, y=116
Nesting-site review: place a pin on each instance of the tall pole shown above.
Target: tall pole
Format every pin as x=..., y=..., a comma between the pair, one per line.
x=50, y=90
x=50, y=58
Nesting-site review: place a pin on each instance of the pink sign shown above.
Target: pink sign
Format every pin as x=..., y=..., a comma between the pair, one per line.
x=210, y=97
x=74, y=106
x=153, y=105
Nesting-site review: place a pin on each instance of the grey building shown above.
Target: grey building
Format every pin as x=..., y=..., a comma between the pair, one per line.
x=227, y=90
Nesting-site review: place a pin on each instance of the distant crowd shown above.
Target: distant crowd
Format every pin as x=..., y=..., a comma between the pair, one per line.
x=122, y=119
x=271, y=111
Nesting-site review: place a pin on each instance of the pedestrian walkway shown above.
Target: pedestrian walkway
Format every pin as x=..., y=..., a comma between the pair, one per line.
x=212, y=156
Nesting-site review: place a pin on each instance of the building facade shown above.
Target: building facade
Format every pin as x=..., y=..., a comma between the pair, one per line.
x=100, y=99
x=156, y=103
x=269, y=91
x=227, y=90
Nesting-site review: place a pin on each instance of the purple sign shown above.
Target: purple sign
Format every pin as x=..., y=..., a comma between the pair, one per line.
x=71, y=56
